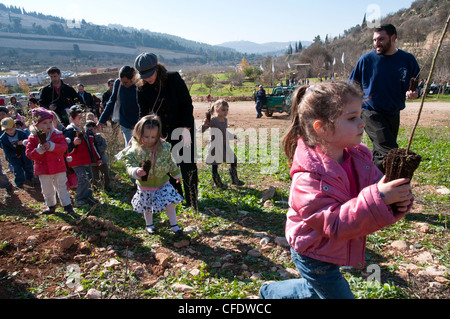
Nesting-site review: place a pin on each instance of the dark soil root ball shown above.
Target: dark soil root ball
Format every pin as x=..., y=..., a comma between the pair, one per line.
x=146, y=165
x=399, y=164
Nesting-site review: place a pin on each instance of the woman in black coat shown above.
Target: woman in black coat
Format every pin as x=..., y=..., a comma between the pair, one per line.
x=165, y=94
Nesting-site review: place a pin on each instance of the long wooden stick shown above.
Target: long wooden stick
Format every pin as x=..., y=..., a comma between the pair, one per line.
x=428, y=82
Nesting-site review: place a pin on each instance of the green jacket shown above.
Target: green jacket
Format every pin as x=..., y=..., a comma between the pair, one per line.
x=164, y=163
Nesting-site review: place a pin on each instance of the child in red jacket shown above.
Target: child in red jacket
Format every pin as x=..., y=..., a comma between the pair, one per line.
x=83, y=154
x=46, y=147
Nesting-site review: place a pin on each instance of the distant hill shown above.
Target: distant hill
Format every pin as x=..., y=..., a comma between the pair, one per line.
x=33, y=41
x=275, y=48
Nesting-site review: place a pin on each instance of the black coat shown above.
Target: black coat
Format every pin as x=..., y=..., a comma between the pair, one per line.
x=173, y=106
x=67, y=97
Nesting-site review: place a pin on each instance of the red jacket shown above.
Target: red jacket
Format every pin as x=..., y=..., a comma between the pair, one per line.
x=49, y=162
x=325, y=221
x=84, y=154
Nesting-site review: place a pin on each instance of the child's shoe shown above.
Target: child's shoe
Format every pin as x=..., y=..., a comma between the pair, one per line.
x=177, y=230
x=150, y=229
x=50, y=210
x=68, y=208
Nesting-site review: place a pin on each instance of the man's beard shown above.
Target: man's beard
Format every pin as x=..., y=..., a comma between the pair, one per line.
x=384, y=48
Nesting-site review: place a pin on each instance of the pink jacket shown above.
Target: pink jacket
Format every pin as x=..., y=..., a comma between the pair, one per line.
x=48, y=162
x=324, y=221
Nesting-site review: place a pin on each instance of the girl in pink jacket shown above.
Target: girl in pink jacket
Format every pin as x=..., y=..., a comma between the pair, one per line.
x=48, y=157
x=337, y=196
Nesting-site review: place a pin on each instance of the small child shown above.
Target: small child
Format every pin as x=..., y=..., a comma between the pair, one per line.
x=337, y=197
x=83, y=154
x=90, y=117
x=219, y=150
x=101, y=145
x=32, y=103
x=149, y=160
x=12, y=143
x=20, y=125
x=57, y=122
x=46, y=147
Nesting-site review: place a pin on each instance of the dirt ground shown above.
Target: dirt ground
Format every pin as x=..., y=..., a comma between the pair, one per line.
x=243, y=115
x=22, y=262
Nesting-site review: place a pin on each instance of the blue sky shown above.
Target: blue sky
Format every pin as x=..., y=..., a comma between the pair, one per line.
x=215, y=22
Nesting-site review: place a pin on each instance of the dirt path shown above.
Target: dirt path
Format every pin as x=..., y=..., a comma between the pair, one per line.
x=243, y=115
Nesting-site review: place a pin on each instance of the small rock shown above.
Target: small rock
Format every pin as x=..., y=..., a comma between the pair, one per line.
x=66, y=242
x=70, y=228
x=80, y=257
x=195, y=272
x=434, y=271
x=181, y=243
x=443, y=191
x=435, y=285
x=424, y=257
x=264, y=241
x=422, y=227
x=282, y=242
x=256, y=276
x=216, y=264
x=182, y=287
x=191, y=229
x=268, y=203
x=140, y=271
x=268, y=194
x=111, y=263
x=293, y=272
x=93, y=294
x=162, y=258
x=90, y=264
x=32, y=240
x=400, y=245
x=254, y=253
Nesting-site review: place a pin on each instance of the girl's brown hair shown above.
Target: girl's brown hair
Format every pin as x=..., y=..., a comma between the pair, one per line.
x=324, y=102
x=147, y=122
x=217, y=105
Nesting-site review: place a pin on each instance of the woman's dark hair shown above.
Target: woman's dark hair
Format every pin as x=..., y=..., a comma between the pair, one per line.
x=161, y=76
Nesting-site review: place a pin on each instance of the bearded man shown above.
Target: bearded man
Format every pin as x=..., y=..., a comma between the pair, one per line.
x=384, y=75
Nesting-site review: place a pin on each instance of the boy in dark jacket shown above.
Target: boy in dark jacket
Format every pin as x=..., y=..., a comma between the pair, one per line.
x=82, y=153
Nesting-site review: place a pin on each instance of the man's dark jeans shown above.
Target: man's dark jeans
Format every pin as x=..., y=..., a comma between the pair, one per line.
x=382, y=130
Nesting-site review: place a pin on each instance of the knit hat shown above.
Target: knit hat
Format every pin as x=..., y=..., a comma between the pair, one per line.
x=146, y=64
x=7, y=123
x=40, y=114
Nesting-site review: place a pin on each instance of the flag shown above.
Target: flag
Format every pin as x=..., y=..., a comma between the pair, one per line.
x=260, y=66
x=343, y=57
x=273, y=68
x=334, y=61
x=289, y=66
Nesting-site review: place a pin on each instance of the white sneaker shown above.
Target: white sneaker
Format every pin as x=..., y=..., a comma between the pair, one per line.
x=150, y=229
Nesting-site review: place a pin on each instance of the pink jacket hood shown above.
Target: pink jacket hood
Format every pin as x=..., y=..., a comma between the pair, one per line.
x=324, y=222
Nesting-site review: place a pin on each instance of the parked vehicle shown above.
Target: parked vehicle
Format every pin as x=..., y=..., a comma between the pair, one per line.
x=279, y=101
